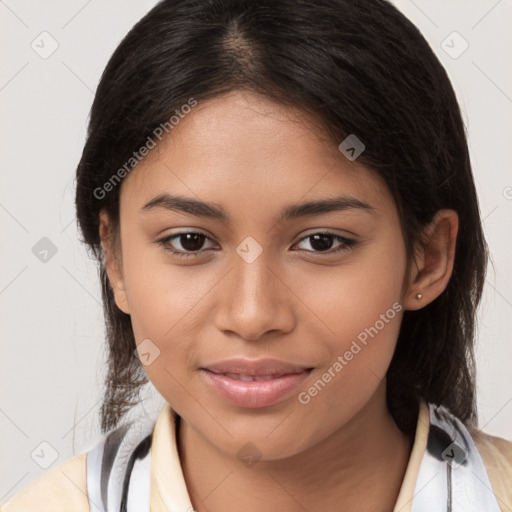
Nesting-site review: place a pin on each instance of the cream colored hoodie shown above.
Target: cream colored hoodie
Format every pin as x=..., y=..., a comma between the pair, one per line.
x=64, y=487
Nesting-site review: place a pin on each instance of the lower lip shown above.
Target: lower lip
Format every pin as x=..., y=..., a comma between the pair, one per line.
x=255, y=393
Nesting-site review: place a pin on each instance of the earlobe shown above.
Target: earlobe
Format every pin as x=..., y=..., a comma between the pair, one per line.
x=113, y=263
x=433, y=265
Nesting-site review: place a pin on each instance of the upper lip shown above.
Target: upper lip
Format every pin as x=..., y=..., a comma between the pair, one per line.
x=255, y=368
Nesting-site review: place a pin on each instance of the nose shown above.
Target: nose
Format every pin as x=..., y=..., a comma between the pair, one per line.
x=254, y=301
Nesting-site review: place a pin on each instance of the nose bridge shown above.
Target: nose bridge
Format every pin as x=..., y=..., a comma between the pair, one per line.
x=253, y=299
x=254, y=284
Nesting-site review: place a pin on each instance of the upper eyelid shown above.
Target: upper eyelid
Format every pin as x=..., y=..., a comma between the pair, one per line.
x=327, y=231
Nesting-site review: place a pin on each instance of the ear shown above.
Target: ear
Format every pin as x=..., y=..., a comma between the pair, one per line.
x=433, y=260
x=113, y=264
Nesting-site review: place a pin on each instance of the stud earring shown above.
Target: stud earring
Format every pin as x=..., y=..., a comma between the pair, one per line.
x=419, y=296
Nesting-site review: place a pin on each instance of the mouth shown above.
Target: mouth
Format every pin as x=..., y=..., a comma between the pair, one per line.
x=253, y=384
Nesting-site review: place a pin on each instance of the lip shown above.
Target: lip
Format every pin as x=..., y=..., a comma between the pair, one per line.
x=280, y=380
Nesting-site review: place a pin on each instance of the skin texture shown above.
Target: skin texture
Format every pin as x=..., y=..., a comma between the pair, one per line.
x=294, y=302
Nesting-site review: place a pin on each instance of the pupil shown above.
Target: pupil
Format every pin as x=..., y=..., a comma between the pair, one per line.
x=321, y=242
x=189, y=241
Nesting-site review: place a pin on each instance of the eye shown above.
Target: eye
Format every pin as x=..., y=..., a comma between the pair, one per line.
x=322, y=242
x=191, y=243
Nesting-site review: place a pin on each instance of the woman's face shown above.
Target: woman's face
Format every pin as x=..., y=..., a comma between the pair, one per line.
x=256, y=285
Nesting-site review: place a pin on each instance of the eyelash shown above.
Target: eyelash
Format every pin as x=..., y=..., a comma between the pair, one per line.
x=346, y=243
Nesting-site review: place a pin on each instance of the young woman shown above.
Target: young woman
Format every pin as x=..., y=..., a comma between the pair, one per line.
x=281, y=202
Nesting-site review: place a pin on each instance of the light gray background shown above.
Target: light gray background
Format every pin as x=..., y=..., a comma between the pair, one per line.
x=53, y=357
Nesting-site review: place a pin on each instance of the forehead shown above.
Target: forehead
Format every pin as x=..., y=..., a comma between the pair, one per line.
x=244, y=151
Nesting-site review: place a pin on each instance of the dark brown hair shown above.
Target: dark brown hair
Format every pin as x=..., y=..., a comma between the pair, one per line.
x=344, y=62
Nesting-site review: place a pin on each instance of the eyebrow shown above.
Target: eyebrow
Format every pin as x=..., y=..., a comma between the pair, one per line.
x=293, y=211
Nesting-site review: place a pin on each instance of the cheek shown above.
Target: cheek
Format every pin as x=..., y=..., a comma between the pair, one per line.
x=363, y=329
x=167, y=304
x=359, y=305
x=160, y=293
x=353, y=296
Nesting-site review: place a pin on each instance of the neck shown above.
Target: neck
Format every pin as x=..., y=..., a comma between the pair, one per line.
x=360, y=466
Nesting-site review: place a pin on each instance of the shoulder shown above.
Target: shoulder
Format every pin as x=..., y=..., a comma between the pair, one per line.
x=496, y=453
x=59, y=489
x=79, y=480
